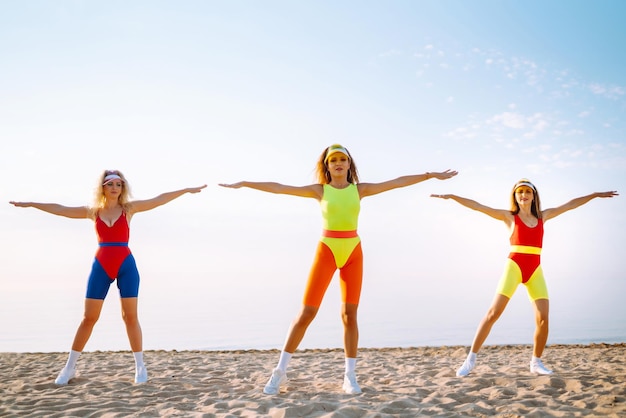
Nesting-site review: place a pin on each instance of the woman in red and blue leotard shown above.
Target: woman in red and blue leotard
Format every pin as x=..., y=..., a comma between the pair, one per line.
x=112, y=212
x=525, y=221
x=339, y=192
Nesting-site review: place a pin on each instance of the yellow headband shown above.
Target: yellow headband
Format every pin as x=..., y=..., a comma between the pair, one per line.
x=333, y=149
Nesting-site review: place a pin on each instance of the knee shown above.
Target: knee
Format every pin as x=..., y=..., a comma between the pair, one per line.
x=542, y=319
x=349, y=316
x=90, y=318
x=493, y=315
x=129, y=318
x=306, y=316
x=542, y=309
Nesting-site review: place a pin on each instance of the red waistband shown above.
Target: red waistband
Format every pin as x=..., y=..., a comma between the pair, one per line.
x=339, y=234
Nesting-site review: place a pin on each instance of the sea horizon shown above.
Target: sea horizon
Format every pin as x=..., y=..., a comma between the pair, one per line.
x=220, y=325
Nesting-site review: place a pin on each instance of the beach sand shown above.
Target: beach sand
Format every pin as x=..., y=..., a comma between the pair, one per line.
x=589, y=380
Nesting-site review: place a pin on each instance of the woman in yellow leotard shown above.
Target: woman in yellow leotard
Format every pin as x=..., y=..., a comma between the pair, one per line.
x=339, y=192
x=525, y=221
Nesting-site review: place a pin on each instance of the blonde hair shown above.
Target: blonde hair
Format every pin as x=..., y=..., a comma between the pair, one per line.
x=99, y=197
x=321, y=169
x=535, y=208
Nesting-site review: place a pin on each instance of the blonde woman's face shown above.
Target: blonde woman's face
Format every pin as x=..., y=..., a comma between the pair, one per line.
x=113, y=189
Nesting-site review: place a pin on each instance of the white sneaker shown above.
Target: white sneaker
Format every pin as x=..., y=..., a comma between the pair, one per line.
x=536, y=366
x=65, y=376
x=350, y=386
x=141, y=375
x=466, y=368
x=273, y=385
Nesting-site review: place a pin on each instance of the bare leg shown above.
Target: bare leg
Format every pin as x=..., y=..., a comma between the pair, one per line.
x=541, y=326
x=484, y=328
x=93, y=307
x=350, y=329
x=133, y=329
x=294, y=337
x=299, y=327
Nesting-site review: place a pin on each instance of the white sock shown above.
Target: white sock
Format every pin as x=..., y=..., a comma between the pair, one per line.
x=72, y=359
x=138, y=359
x=283, y=361
x=535, y=359
x=472, y=357
x=350, y=364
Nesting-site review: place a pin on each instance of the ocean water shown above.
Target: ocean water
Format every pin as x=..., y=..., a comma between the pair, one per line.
x=217, y=316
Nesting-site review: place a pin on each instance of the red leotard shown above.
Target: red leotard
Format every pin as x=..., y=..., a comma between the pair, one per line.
x=526, y=236
x=113, y=242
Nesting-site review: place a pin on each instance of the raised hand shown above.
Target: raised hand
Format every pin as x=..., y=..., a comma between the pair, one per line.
x=444, y=175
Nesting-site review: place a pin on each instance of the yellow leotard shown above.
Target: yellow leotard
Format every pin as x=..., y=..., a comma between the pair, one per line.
x=340, y=213
x=338, y=248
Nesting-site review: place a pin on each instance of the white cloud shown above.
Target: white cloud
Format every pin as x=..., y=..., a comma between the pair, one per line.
x=597, y=89
x=540, y=126
x=575, y=153
x=462, y=133
x=390, y=53
x=541, y=108
x=609, y=92
x=509, y=120
x=500, y=127
x=575, y=132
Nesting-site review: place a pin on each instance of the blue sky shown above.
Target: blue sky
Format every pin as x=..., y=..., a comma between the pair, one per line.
x=180, y=94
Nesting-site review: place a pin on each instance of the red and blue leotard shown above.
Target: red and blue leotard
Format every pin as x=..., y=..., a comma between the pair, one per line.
x=113, y=260
x=113, y=244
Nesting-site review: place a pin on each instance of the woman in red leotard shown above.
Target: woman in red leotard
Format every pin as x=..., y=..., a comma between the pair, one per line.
x=525, y=220
x=111, y=212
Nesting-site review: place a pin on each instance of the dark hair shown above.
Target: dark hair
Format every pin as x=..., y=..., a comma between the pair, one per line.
x=535, y=208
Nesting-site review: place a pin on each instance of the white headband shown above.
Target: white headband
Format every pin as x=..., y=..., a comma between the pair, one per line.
x=525, y=183
x=110, y=177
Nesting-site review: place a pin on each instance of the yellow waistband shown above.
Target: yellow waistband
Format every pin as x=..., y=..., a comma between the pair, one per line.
x=525, y=249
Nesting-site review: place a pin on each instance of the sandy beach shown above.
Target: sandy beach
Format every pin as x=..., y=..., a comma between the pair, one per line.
x=589, y=380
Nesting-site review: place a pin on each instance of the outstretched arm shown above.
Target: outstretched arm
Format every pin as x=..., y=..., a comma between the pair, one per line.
x=500, y=214
x=148, y=204
x=74, y=212
x=370, y=189
x=574, y=203
x=313, y=190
